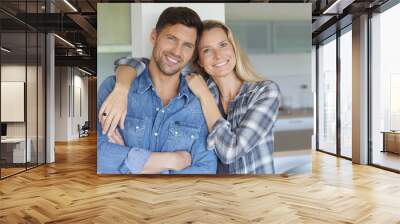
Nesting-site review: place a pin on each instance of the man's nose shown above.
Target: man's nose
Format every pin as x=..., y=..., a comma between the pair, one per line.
x=177, y=50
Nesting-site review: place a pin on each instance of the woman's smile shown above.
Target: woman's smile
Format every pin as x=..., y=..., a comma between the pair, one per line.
x=220, y=64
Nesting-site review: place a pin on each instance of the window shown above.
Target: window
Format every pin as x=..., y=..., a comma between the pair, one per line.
x=346, y=92
x=23, y=76
x=327, y=95
x=385, y=89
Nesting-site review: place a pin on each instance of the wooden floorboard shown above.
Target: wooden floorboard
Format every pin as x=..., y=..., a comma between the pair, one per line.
x=70, y=191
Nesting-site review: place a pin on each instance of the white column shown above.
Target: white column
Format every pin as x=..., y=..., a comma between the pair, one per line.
x=50, y=92
x=50, y=100
x=360, y=90
x=314, y=91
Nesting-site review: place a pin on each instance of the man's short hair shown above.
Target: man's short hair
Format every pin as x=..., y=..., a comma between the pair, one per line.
x=180, y=15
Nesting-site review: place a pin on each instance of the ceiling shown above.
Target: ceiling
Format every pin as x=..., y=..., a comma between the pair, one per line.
x=76, y=22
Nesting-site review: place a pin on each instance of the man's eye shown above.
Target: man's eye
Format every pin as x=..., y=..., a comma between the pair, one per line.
x=188, y=46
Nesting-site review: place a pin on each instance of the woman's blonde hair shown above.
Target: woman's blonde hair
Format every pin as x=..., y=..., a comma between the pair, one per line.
x=243, y=69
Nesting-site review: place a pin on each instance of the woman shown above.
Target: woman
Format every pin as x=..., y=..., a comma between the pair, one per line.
x=239, y=106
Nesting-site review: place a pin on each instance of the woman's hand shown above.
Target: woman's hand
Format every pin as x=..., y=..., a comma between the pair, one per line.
x=114, y=109
x=115, y=137
x=197, y=84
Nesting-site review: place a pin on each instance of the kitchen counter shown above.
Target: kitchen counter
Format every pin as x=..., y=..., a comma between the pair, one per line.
x=304, y=112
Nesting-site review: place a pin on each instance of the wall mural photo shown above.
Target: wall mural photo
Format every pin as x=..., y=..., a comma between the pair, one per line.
x=205, y=88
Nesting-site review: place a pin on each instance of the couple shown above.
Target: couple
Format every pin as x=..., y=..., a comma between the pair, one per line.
x=175, y=124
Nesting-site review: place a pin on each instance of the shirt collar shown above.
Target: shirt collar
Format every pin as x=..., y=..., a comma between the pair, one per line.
x=244, y=89
x=183, y=88
x=145, y=83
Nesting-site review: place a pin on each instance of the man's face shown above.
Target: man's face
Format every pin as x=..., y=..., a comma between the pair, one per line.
x=173, y=48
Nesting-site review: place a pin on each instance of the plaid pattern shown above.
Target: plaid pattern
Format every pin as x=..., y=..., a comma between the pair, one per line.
x=138, y=63
x=244, y=142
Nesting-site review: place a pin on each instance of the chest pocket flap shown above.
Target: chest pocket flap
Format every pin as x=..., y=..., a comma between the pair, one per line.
x=181, y=136
x=134, y=131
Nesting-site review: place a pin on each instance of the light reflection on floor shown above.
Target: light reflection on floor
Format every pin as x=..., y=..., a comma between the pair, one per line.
x=386, y=159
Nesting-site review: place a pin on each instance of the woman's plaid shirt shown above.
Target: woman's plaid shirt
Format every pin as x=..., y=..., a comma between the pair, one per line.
x=244, y=142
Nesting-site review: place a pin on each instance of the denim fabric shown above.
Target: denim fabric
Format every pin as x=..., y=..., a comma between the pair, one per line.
x=150, y=127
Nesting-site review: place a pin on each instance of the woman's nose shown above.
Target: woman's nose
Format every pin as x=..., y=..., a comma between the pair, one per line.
x=217, y=54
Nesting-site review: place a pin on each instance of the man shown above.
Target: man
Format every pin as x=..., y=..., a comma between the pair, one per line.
x=165, y=131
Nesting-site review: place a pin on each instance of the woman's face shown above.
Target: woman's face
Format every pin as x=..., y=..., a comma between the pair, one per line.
x=216, y=54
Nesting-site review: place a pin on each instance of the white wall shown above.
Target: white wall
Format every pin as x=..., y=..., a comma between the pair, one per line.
x=114, y=36
x=105, y=64
x=290, y=71
x=81, y=83
x=61, y=103
x=33, y=125
x=12, y=73
x=68, y=82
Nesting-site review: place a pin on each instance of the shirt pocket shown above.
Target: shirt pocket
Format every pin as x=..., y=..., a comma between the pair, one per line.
x=134, y=132
x=181, y=137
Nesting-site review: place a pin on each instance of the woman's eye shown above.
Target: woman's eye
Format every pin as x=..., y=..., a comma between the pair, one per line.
x=205, y=51
x=223, y=44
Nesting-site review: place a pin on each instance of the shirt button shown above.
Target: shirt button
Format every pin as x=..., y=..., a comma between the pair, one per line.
x=156, y=134
x=192, y=136
x=157, y=109
x=176, y=133
x=162, y=111
x=137, y=127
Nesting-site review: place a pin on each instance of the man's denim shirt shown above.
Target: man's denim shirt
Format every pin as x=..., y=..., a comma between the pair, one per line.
x=150, y=127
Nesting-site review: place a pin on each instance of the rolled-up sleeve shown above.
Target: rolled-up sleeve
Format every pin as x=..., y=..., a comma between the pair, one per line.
x=139, y=64
x=231, y=144
x=137, y=158
x=118, y=159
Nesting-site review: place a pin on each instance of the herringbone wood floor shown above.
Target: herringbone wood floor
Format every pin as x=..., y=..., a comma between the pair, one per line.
x=70, y=191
